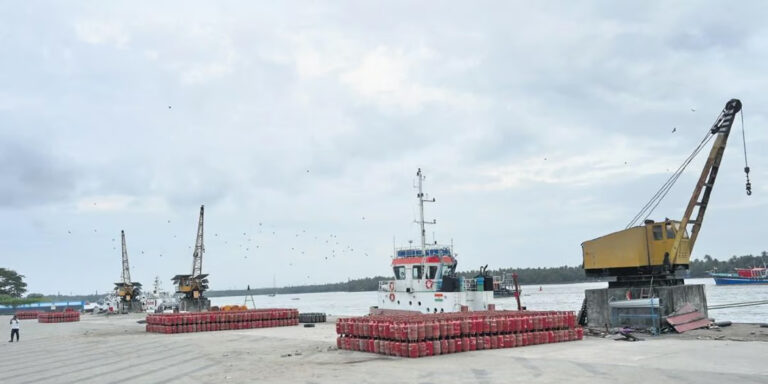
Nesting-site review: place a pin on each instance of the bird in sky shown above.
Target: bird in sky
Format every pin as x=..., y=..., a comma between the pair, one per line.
x=674, y=129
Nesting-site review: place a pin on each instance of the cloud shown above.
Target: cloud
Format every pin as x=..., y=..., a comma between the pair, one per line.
x=311, y=117
x=384, y=77
x=102, y=32
x=30, y=177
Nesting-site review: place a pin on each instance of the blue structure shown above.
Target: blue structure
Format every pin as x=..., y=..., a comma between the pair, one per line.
x=57, y=306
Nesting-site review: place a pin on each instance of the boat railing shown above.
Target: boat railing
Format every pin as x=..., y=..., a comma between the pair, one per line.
x=469, y=285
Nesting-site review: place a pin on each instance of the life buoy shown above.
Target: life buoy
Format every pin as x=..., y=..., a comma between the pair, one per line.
x=429, y=284
x=391, y=286
x=391, y=297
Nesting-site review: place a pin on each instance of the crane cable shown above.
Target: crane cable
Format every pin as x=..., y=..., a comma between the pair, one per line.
x=656, y=199
x=746, y=164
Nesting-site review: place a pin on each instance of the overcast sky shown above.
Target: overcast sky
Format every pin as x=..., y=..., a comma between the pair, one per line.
x=301, y=126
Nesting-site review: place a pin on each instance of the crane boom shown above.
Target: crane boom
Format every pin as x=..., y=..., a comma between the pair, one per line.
x=197, y=256
x=703, y=189
x=126, y=268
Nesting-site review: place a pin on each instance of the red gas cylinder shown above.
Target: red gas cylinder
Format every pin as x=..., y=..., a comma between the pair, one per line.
x=465, y=326
x=472, y=343
x=494, y=342
x=404, y=349
x=480, y=343
x=430, y=346
x=487, y=343
x=500, y=341
x=459, y=344
x=455, y=327
x=422, y=348
x=464, y=344
x=436, y=347
x=579, y=333
x=444, y=346
x=413, y=350
x=451, y=345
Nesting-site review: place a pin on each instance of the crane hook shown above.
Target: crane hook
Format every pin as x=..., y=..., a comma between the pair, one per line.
x=749, y=184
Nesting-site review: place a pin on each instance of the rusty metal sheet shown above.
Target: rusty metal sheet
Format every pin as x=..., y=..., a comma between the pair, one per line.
x=686, y=318
x=692, y=325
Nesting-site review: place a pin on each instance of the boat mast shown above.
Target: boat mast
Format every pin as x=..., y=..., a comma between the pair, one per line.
x=423, y=199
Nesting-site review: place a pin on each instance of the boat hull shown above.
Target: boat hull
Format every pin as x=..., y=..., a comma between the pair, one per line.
x=739, y=281
x=432, y=301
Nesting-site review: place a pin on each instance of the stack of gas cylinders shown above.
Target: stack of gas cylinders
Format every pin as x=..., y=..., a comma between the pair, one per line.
x=221, y=320
x=420, y=335
x=58, y=317
x=26, y=315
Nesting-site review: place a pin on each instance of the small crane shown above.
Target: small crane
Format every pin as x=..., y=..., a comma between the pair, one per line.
x=194, y=285
x=128, y=291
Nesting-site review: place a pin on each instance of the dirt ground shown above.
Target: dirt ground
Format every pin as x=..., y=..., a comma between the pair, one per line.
x=116, y=349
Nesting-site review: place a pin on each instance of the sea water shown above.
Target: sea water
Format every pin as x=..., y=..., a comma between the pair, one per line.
x=563, y=297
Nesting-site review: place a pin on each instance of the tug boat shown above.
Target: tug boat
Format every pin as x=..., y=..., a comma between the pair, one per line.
x=425, y=277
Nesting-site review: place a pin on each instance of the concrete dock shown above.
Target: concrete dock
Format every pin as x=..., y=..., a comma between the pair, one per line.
x=116, y=349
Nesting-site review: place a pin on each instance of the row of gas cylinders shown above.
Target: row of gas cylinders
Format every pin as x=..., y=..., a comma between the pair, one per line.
x=27, y=315
x=222, y=326
x=456, y=344
x=418, y=327
x=58, y=317
x=252, y=315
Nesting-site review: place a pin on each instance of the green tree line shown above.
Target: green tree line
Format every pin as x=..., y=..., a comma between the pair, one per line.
x=12, y=286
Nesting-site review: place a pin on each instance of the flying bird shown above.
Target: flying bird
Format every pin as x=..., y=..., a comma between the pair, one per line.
x=674, y=129
x=693, y=109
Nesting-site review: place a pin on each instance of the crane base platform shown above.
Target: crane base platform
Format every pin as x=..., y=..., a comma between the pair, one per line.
x=130, y=307
x=640, y=307
x=644, y=281
x=201, y=304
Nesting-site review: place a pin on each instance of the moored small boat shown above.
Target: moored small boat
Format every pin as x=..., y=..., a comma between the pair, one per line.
x=742, y=276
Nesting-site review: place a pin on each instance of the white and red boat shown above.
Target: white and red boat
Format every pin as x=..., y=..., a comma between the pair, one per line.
x=426, y=280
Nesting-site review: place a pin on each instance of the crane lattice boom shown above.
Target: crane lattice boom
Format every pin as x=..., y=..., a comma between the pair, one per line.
x=126, y=268
x=197, y=256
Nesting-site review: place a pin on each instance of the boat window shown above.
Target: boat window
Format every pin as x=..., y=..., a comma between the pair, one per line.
x=400, y=253
x=657, y=234
x=400, y=273
x=418, y=270
x=432, y=272
x=670, y=230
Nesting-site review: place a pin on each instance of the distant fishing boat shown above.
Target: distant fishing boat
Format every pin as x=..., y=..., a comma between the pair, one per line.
x=742, y=276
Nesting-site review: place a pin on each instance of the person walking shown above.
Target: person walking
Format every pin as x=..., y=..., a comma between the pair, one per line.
x=14, y=329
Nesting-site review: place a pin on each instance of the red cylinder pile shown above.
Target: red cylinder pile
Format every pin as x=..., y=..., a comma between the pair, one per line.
x=58, y=317
x=421, y=335
x=221, y=321
x=27, y=315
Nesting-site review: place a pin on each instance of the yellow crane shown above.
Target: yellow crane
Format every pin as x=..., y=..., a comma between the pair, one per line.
x=656, y=249
x=194, y=285
x=128, y=291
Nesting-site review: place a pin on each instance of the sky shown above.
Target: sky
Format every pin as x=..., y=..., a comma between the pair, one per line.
x=301, y=125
